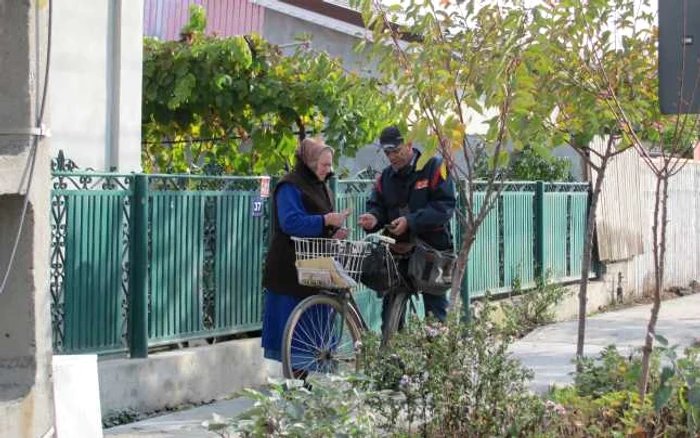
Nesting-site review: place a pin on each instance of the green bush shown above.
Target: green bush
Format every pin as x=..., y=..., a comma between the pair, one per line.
x=452, y=380
x=610, y=372
x=530, y=309
x=604, y=401
x=331, y=407
x=457, y=380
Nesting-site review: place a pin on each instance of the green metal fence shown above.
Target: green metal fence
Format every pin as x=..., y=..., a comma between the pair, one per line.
x=533, y=229
x=145, y=260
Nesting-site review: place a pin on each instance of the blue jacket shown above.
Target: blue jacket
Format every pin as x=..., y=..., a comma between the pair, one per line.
x=425, y=195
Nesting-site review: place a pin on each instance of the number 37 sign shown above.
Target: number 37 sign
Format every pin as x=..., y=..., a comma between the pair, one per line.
x=257, y=205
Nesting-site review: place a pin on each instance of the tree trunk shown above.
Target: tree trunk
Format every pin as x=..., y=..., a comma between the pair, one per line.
x=458, y=273
x=587, y=258
x=659, y=239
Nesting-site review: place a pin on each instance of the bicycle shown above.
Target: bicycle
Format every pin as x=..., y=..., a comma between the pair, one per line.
x=323, y=332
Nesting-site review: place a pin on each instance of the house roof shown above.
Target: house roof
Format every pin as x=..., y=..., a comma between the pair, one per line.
x=330, y=14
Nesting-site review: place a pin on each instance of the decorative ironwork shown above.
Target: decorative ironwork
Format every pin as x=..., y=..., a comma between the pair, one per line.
x=365, y=185
x=69, y=181
x=63, y=164
x=208, y=291
x=199, y=182
x=126, y=258
x=508, y=186
x=368, y=173
x=351, y=186
x=57, y=274
x=566, y=187
x=91, y=181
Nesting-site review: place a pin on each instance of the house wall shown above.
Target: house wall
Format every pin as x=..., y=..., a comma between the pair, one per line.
x=95, y=84
x=283, y=29
x=25, y=322
x=624, y=224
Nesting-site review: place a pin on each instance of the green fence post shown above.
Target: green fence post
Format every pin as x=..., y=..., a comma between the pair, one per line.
x=138, y=267
x=271, y=220
x=333, y=185
x=539, y=231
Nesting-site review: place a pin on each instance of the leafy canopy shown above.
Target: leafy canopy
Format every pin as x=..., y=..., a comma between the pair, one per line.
x=237, y=105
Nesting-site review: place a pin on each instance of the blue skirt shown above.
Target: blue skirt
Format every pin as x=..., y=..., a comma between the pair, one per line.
x=276, y=311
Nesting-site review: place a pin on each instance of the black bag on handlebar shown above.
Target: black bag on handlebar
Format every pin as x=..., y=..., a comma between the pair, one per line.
x=430, y=270
x=375, y=270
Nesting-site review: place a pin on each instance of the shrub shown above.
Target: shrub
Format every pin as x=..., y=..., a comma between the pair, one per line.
x=604, y=401
x=452, y=380
x=533, y=308
x=610, y=372
x=331, y=407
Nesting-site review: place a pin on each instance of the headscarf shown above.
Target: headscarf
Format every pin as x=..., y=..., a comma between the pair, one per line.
x=310, y=150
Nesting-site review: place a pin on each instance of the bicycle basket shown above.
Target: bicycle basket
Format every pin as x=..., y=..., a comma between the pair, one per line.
x=329, y=263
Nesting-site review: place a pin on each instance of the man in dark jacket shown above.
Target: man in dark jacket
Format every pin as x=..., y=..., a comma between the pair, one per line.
x=413, y=201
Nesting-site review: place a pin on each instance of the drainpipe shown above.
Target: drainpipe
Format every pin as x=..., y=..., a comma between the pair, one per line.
x=114, y=68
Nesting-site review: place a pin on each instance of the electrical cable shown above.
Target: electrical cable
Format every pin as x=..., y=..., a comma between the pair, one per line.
x=31, y=159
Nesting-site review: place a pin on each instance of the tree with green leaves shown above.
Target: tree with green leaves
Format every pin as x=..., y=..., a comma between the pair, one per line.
x=575, y=41
x=238, y=106
x=605, y=73
x=453, y=67
x=528, y=164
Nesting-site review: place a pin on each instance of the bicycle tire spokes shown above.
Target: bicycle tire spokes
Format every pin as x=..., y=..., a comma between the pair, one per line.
x=322, y=342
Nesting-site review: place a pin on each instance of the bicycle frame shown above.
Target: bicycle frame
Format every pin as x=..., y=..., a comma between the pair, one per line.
x=349, y=304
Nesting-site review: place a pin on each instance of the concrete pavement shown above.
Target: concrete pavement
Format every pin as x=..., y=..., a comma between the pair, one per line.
x=548, y=351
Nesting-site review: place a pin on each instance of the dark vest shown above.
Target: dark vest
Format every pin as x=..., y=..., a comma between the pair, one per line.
x=280, y=272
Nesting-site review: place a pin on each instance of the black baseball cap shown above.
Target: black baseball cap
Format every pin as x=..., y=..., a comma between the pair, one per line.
x=390, y=138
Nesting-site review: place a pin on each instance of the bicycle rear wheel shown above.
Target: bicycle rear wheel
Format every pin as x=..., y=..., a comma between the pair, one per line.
x=401, y=309
x=320, y=337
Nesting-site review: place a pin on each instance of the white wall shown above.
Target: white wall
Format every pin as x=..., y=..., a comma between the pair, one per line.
x=282, y=29
x=95, y=83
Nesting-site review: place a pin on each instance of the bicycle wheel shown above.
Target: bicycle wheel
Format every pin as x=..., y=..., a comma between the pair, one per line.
x=397, y=315
x=320, y=338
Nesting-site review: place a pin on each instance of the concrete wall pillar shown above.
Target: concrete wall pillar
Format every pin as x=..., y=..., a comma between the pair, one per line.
x=26, y=404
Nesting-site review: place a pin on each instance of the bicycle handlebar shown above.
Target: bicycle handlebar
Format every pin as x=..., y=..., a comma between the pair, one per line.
x=387, y=239
x=380, y=237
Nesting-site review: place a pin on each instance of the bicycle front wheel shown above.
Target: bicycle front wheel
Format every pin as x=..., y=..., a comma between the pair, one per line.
x=321, y=336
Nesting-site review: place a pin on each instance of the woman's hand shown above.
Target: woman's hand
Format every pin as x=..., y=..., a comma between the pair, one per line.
x=341, y=234
x=335, y=219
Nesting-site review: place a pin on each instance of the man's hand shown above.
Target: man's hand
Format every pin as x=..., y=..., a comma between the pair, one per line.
x=399, y=226
x=367, y=221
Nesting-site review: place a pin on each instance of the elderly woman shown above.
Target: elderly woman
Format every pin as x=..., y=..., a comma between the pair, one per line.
x=303, y=207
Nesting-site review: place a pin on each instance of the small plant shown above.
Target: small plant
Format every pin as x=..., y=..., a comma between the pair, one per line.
x=528, y=310
x=604, y=402
x=615, y=414
x=609, y=372
x=680, y=378
x=117, y=418
x=332, y=407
